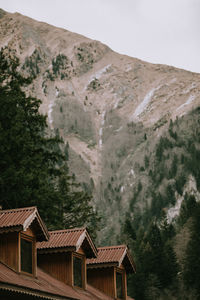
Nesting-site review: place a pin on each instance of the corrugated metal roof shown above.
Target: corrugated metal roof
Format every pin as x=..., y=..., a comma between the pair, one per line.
x=15, y=217
x=21, y=219
x=62, y=238
x=108, y=254
x=46, y=285
x=113, y=255
x=43, y=283
x=97, y=294
x=69, y=238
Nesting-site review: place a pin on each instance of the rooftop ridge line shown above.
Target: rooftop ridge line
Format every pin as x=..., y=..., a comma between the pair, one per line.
x=11, y=210
x=112, y=247
x=66, y=230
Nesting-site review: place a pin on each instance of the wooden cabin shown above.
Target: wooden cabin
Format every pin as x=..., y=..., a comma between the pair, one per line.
x=20, y=276
x=108, y=271
x=59, y=270
x=64, y=255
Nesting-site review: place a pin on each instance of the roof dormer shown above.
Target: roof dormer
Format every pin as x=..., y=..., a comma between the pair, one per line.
x=108, y=271
x=64, y=255
x=20, y=229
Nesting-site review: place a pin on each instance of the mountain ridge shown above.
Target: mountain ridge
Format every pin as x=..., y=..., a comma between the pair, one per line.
x=109, y=108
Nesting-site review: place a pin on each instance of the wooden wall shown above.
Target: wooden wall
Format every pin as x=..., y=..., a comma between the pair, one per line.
x=59, y=265
x=9, y=249
x=102, y=279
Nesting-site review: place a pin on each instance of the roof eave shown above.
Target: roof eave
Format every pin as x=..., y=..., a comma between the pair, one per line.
x=11, y=229
x=102, y=265
x=93, y=247
x=43, y=227
x=132, y=268
x=56, y=249
x=31, y=292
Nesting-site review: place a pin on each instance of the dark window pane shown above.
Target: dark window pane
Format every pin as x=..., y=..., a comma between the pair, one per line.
x=119, y=285
x=77, y=271
x=26, y=256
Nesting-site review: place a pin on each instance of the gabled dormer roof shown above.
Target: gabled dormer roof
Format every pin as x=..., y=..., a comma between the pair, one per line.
x=20, y=219
x=113, y=256
x=68, y=240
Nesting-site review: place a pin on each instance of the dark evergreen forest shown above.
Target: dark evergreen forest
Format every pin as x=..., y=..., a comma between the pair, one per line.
x=167, y=252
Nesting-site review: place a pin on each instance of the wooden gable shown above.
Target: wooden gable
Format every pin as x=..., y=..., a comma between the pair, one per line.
x=108, y=271
x=19, y=230
x=20, y=219
x=64, y=255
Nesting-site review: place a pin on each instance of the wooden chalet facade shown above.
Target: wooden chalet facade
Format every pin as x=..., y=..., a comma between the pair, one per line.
x=108, y=271
x=64, y=255
x=37, y=264
x=20, y=229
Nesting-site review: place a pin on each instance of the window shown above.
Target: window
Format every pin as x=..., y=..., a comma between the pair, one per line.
x=26, y=255
x=119, y=285
x=78, y=271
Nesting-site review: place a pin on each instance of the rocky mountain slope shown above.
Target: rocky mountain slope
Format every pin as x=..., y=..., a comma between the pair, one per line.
x=110, y=109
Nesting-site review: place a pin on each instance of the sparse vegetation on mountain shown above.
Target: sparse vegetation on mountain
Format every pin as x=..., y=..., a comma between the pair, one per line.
x=32, y=64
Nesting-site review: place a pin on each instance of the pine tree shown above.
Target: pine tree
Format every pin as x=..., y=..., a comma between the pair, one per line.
x=28, y=165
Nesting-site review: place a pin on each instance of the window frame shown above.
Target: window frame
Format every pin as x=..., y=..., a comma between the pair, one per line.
x=33, y=243
x=120, y=271
x=83, y=270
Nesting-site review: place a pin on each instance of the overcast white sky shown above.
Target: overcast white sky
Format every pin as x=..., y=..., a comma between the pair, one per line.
x=158, y=31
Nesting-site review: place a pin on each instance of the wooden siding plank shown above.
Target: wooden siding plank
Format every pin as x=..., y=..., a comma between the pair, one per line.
x=102, y=279
x=9, y=249
x=58, y=265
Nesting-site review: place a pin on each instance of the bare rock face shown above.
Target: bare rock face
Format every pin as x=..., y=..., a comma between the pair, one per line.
x=109, y=108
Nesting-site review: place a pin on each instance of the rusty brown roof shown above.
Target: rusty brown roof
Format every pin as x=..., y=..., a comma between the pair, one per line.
x=19, y=219
x=15, y=217
x=44, y=286
x=69, y=238
x=113, y=255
